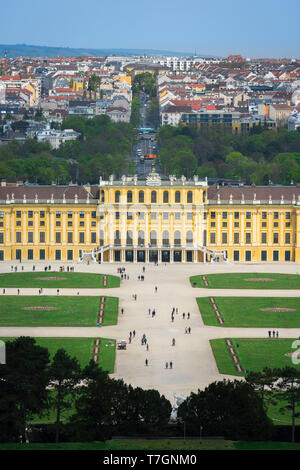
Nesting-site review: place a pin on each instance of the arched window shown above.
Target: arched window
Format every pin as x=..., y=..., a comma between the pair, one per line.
x=141, y=196
x=177, y=238
x=177, y=196
x=153, y=196
x=189, y=237
x=102, y=195
x=166, y=197
x=117, y=196
x=101, y=238
x=141, y=237
x=129, y=237
x=165, y=238
x=153, y=238
x=129, y=196
x=117, y=237
x=189, y=197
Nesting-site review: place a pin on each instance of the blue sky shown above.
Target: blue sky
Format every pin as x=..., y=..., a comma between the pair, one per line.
x=254, y=28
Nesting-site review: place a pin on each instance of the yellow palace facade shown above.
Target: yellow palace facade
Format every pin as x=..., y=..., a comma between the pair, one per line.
x=172, y=220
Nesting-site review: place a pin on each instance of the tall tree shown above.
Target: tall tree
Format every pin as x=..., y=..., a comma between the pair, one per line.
x=262, y=381
x=26, y=376
x=288, y=391
x=64, y=375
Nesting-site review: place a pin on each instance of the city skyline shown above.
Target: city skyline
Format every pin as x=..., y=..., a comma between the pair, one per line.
x=256, y=30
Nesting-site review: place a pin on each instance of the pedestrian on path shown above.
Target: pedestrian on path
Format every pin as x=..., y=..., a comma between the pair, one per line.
x=188, y=316
x=149, y=311
x=189, y=329
x=185, y=330
x=269, y=334
x=133, y=333
x=122, y=310
x=146, y=362
x=18, y=291
x=57, y=291
x=183, y=315
x=171, y=365
x=3, y=291
x=147, y=346
x=277, y=334
x=155, y=288
x=167, y=365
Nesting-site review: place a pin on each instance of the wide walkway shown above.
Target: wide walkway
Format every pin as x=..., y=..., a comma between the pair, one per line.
x=193, y=362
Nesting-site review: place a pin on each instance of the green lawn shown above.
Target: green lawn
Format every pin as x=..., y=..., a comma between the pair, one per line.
x=63, y=280
x=241, y=281
x=67, y=311
x=255, y=354
x=246, y=312
x=81, y=348
x=152, y=444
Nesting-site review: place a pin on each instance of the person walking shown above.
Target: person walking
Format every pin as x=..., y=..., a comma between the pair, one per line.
x=171, y=364
x=122, y=310
x=183, y=315
x=3, y=291
x=57, y=291
x=155, y=288
x=18, y=291
x=149, y=311
x=185, y=330
x=167, y=365
x=133, y=333
x=189, y=329
x=146, y=362
x=147, y=347
x=188, y=315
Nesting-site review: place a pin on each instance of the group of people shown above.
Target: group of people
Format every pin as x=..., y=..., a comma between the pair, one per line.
x=152, y=312
x=274, y=334
x=62, y=268
x=131, y=335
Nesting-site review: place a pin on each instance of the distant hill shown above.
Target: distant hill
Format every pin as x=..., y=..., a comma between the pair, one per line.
x=26, y=50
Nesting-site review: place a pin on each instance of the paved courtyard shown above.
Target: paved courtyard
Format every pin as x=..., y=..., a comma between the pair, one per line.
x=193, y=362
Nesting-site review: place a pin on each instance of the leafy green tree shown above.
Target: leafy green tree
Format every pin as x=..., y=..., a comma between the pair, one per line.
x=287, y=389
x=226, y=408
x=99, y=398
x=262, y=381
x=64, y=375
x=25, y=375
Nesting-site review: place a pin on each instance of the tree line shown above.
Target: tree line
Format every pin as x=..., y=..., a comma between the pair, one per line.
x=101, y=150
x=98, y=406
x=260, y=157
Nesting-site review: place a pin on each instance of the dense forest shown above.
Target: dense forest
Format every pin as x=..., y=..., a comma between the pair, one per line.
x=260, y=157
x=101, y=150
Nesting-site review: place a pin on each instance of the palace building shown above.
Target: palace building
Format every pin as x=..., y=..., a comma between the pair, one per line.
x=172, y=220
